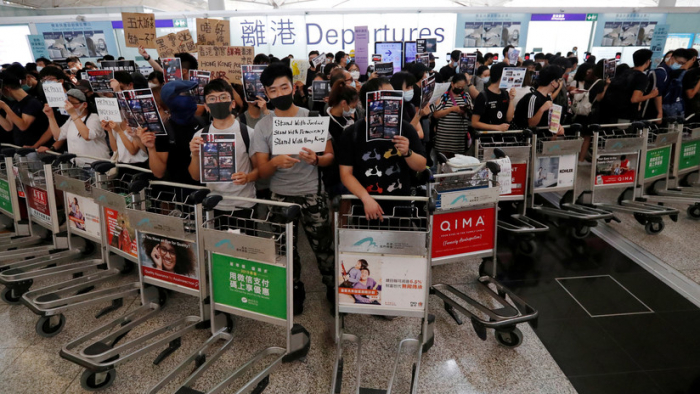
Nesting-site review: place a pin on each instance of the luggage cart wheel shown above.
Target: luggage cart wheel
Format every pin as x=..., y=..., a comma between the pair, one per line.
x=528, y=247
x=486, y=267
x=94, y=381
x=49, y=326
x=9, y=296
x=580, y=232
x=653, y=228
x=510, y=339
x=694, y=212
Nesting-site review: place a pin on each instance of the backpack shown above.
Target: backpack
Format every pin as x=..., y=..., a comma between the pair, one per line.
x=581, y=103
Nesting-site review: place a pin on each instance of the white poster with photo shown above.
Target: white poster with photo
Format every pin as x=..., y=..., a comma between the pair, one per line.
x=382, y=282
x=84, y=216
x=512, y=78
x=555, y=171
x=290, y=135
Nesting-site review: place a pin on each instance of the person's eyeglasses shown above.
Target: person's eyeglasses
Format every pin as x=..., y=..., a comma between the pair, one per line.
x=171, y=252
x=222, y=98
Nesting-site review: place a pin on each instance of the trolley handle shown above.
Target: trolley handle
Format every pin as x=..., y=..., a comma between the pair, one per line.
x=13, y=146
x=24, y=151
x=199, y=195
x=289, y=211
x=576, y=127
x=102, y=166
x=8, y=152
x=637, y=125
x=388, y=198
x=527, y=133
x=66, y=157
x=141, y=169
x=138, y=183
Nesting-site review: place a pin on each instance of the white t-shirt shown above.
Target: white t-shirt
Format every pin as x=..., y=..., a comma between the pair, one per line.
x=243, y=164
x=95, y=147
x=124, y=155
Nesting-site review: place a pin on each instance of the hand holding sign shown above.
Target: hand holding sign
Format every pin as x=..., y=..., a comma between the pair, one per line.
x=108, y=109
x=308, y=156
x=55, y=95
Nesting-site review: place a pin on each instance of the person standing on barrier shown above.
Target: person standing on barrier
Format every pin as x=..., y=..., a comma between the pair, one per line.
x=533, y=109
x=296, y=179
x=493, y=108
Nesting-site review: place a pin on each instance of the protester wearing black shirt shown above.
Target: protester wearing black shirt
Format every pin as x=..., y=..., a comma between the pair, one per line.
x=342, y=103
x=533, y=109
x=493, y=108
x=24, y=115
x=449, y=71
x=691, y=88
x=626, y=91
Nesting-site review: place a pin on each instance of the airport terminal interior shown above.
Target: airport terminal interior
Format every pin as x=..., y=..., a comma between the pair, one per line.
x=350, y=196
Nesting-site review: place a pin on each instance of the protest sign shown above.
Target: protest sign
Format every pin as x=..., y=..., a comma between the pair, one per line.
x=118, y=65
x=140, y=110
x=440, y=89
x=512, y=78
x=554, y=118
x=217, y=157
x=139, y=29
x=384, y=69
x=300, y=69
x=202, y=78
x=168, y=45
x=172, y=69
x=609, y=68
x=513, y=55
x=252, y=87
x=467, y=64
x=376, y=58
x=99, y=80
x=108, y=109
x=55, y=95
x=320, y=90
x=213, y=32
x=225, y=61
x=318, y=60
x=427, y=87
x=384, y=113
x=289, y=135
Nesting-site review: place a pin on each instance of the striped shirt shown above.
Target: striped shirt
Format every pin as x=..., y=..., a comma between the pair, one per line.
x=453, y=128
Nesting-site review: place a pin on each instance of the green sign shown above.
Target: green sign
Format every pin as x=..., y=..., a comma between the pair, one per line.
x=5, y=200
x=179, y=22
x=591, y=17
x=248, y=285
x=690, y=155
x=657, y=162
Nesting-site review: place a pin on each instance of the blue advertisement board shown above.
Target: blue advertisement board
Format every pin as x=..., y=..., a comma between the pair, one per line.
x=80, y=39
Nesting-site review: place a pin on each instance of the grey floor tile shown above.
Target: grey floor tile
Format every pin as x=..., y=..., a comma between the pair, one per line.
x=7, y=357
x=36, y=370
x=694, y=275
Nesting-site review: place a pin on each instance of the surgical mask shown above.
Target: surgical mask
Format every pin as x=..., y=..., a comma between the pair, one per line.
x=39, y=68
x=675, y=66
x=283, y=103
x=484, y=80
x=152, y=85
x=457, y=91
x=350, y=112
x=355, y=75
x=74, y=69
x=353, y=84
x=541, y=63
x=25, y=87
x=408, y=95
x=220, y=110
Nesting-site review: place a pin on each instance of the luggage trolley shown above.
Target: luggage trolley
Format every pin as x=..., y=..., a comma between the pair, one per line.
x=515, y=144
x=687, y=161
x=617, y=149
x=88, y=221
x=464, y=226
x=250, y=276
x=21, y=234
x=395, y=250
x=50, y=261
x=659, y=166
x=166, y=225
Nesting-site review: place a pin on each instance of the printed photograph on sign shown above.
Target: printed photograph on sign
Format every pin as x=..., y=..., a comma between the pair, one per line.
x=120, y=234
x=167, y=259
x=615, y=169
x=467, y=64
x=173, y=69
x=217, y=158
x=99, y=80
x=555, y=171
x=609, y=68
x=202, y=78
x=391, y=282
x=384, y=114
x=252, y=86
x=83, y=215
x=462, y=232
x=384, y=69
x=512, y=78
x=427, y=88
x=139, y=108
x=320, y=90
x=249, y=285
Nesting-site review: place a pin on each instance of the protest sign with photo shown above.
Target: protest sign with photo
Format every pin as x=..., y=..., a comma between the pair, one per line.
x=384, y=114
x=213, y=32
x=467, y=64
x=320, y=90
x=252, y=87
x=609, y=68
x=318, y=60
x=108, y=109
x=139, y=108
x=168, y=259
x=423, y=58
x=426, y=45
x=139, y=29
x=290, y=135
x=55, y=95
x=172, y=69
x=202, y=78
x=225, y=61
x=512, y=77
x=118, y=65
x=99, y=80
x=217, y=157
x=376, y=58
x=427, y=88
x=384, y=69
x=513, y=55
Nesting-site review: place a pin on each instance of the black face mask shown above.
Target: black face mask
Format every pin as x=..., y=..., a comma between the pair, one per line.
x=283, y=102
x=457, y=91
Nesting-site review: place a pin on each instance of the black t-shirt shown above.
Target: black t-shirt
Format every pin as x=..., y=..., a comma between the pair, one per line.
x=331, y=174
x=31, y=106
x=177, y=144
x=527, y=108
x=491, y=107
x=446, y=73
x=631, y=81
x=594, y=89
x=376, y=164
x=692, y=105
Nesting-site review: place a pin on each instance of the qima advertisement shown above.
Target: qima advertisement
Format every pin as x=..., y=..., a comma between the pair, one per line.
x=299, y=34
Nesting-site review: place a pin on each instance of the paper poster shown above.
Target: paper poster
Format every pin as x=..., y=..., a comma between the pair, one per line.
x=252, y=87
x=55, y=45
x=609, y=68
x=225, y=61
x=386, y=282
x=518, y=178
x=5, y=198
x=657, y=161
x=38, y=201
x=108, y=109
x=615, y=169
x=300, y=69
x=249, y=285
x=320, y=90
x=384, y=69
x=467, y=64
x=202, y=78
x=505, y=176
x=84, y=215
x=462, y=232
x=55, y=95
x=168, y=45
x=289, y=135
x=513, y=55
x=213, y=32
x=145, y=70
x=440, y=89
x=217, y=158
x=384, y=114
x=169, y=260
x=512, y=78
x=426, y=45
x=427, y=88
x=172, y=69
x=690, y=155
x=140, y=110
x=118, y=65
x=555, y=118
x=139, y=29
x=99, y=80
x=555, y=171
x=319, y=60
x=120, y=234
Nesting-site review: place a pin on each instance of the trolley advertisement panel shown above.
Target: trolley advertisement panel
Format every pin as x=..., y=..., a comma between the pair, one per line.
x=463, y=232
x=84, y=216
x=169, y=260
x=615, y=169
x=5, y=198
x=555, y=171
x=38, y=201
x=120, y=233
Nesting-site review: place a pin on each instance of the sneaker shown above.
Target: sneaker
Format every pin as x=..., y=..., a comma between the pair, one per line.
x=299, y=295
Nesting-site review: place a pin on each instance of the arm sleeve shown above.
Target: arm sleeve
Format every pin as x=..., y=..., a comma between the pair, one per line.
x=480, y=105
x=95, y=127
x=259, y=142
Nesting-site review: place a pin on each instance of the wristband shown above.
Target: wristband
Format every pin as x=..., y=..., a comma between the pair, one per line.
x=316, y=163
x=409, y=153
x=147, y=58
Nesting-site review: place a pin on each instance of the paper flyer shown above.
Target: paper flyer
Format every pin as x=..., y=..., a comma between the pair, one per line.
x=99, y=80
x=505, y=176
x=318, y=60
x=217, y=158
x=427, y=88
x=555, y=118
x=55, y=95
x=513, y=56
x=609, y=68
x=467, y=64
x=440, y=89
x=376, y=58
x=139, y=108
x=202, y=78
x=384, y=69
x=423, y=58
x=320, y=90
x=108, y=109
x=384, y=114
x=251, y=82
x=172, y=69
x=512, y=78
x=300, y=68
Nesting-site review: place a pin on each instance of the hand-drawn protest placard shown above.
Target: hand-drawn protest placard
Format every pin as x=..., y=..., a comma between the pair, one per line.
x=139, y=29
x=289, y=135
x=225, y=61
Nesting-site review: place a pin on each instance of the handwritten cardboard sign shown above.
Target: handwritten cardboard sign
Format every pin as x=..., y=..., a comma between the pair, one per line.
x=213, y=32
x=55, y=95
x=139, y=29
x=225, y=61
x=168, y=45
x=289, y=135
x=108, y=109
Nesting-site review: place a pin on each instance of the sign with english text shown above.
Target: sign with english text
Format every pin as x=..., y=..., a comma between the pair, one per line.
x=463, y=232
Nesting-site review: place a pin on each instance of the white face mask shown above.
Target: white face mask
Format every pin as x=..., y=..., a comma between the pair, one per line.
x=541, y=63
x=408, y=95
x=152, y=85
x=353, y=84
x=74, y=69
x=355, y=75
x=39, y=68
x=349, y=112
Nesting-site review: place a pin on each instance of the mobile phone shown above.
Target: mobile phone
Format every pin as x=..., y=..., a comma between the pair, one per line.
x=527, y=56
x=495, y=58
x=586, y=56
x=618, y=57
